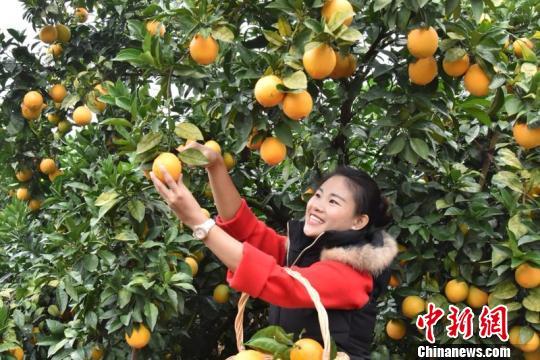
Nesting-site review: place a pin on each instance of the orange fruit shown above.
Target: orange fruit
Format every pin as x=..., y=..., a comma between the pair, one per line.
x=464, y=228
x=423, y=71
x=17, y=352
x=139, y=338
x=55, y=174
x=297, y=105
x=152, y=27
x=64, y=126
x=229, y=160
x=203, y=50
x=535, y=355
x=171, y=163
x=56, y=50
x=47, y=166
x=319, y=61
x=476, y=297
x=306, y=349
x=345, y=66
x=395, y=329
x=30, y=114
x=525, y=137
x=250, y=144
x=266, y=92
x=456, y=291
x=206, y=213
x=422, y=42
x=33, y=101
x=82, y=115
x=199, y=255
x=514, y=335
x=48, y=34
x=412, y=306
x=519, y=43
x=81, y=14
x=221, y=294
x=194, y=266
x=394, y=281
x=456, y=68
x=332, y=7
x=23, y=194
x=64, y=33
x=273, y=151
x=249, y=355
x=101, y=89
x=34, y=205
x=527, y=276
x=97, y=353
x=532, y=345
x=23, y=175
x=476, y=81
x=53, y=118
x=58, y=92
x=213, y=145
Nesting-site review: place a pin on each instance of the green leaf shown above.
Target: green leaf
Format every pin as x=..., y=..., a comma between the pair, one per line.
x=480, y=115
x=267, y=345
x=117, y=122
x=350, y=35
x=505, y=290
x=284, y=27
x=512, y=104
x=284, y=134
x=396, y=145
x=151, y=313
x=188, y=131
x=505, y=157
x=193, y=157
x=297, y=80
x=499, y=255
x=128, y=55
x=106, y=198
x=477, y=9
x=136, y=209
x=532, y=301
x=90, y=262
x=507, y=179
x=454, y=54
x=381, y=4
x=420, y=147
x=516, y=226
x=148, y=142
x=127, y=235
x=223, y=33
x=273, y=37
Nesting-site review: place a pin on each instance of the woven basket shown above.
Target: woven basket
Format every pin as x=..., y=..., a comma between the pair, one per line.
x=321, y=313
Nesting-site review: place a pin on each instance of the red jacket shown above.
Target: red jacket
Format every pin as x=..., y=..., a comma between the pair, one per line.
x=261, y=275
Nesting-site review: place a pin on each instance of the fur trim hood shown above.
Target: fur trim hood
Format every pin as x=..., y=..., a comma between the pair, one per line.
x=364, y=250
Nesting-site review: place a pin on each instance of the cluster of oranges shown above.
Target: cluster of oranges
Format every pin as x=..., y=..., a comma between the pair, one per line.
x=303, y=349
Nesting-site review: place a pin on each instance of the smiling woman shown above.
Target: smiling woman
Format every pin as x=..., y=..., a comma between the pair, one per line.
x=339, y=248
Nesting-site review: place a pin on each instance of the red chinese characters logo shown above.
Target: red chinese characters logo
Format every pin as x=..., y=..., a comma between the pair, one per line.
x=491, y=322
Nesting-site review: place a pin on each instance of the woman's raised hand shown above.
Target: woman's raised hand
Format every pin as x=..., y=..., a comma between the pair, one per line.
x=179, y=199
x=212, y=156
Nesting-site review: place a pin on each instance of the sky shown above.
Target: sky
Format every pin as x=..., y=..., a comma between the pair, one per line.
x=11, y=16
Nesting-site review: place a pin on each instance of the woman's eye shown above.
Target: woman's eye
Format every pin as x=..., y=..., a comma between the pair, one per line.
x=334, y=202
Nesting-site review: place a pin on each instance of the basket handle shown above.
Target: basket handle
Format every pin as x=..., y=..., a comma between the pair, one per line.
x=313, y=294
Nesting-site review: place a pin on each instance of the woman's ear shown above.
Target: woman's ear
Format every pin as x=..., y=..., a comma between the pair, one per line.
x=360, y=222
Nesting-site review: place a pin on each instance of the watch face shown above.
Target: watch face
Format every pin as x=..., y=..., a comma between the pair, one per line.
x=199, y=233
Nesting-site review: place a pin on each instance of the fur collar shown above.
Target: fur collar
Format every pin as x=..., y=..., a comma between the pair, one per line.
x=364, y=250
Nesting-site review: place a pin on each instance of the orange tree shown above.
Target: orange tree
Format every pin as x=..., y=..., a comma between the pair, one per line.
x=437, y=99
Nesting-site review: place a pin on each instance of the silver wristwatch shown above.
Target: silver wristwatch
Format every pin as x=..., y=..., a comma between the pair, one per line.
x=200, y=232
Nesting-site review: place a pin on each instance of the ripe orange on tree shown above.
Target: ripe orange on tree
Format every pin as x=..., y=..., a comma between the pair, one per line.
x=229, y=160
x=527, y=276
x=412, y=305
x=17, y=352
x=319, y=61
x=53, y=118
x=203, y=50
x=193, y=265
x=23, y=194
x=250, y=144
x=58, y=92
x=422, y=42
x=56, y=50
x=47, y=166
x=152, y=27
x=48, y=34
x=55, y=174
x=97, y=353
x=332, y=7
x=456, y=291
x=394, y=281
x=519, y=44
x=212, y=144
x=477, y=297
x=81, y=14
x=23, y=175
x=33, y=101
x=345, y=66
x=526, y=137
x=63, y=126
x=306, y=349
x=139, y=338
x=34, y=205
x=476, y=81
x=64, y=33
x=297, y=105
x=396, y=329
x=266, y=91
x=171, y=163
x=423, y=71
x=82, y=115
x=273, y=151
x=221, y=294
x=457, y=67
x=30, y=114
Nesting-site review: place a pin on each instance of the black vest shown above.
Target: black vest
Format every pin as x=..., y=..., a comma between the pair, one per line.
x=352, y=330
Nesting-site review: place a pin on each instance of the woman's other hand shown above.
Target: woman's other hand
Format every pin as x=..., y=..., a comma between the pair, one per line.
x=179, y=199
x=212, y=156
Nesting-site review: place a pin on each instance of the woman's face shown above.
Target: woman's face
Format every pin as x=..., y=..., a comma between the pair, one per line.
x=332, y=208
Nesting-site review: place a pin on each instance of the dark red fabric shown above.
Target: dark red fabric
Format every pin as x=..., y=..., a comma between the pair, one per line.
x=260, y=275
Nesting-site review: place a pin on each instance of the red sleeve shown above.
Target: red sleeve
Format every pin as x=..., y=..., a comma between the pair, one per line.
x=245, y=227
x=339, y=285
